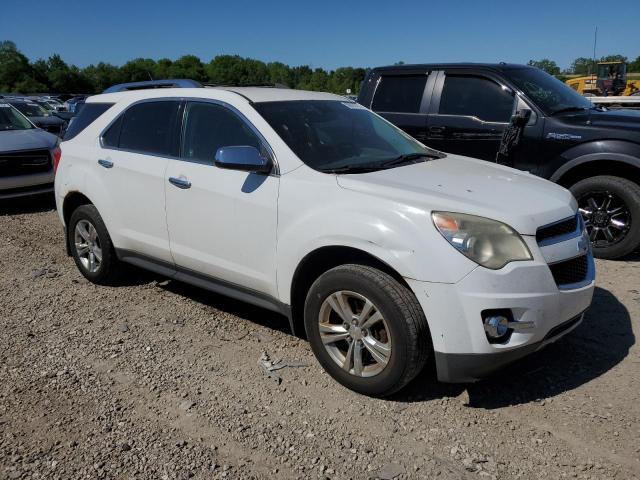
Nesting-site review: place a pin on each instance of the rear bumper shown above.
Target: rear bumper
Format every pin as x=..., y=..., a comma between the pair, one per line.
x=466, y=368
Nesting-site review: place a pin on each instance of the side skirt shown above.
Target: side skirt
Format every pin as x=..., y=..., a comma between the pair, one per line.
x=207, y=282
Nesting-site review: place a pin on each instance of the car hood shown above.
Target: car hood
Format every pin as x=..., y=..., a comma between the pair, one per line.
x=50, y=120
x=466, y=185
x=12, y=140
x=612, y=119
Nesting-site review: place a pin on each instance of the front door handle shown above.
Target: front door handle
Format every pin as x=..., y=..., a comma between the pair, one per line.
x=436, y=130
x=180, y=182
x=105, y=163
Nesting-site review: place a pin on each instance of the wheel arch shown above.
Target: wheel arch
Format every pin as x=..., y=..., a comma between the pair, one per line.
x=612, y=164
x=321, y=260
x=71, y=202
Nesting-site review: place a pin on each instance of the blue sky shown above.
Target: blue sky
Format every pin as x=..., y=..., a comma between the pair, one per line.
x=323, y=33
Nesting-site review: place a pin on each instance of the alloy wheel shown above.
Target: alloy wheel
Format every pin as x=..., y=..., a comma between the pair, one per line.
x=87, y=244
x=606, y=216
x=354, y=333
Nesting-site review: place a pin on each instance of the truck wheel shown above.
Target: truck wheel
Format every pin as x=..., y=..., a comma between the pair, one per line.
x=91, y=246
x=610, y=207
x=366, y=329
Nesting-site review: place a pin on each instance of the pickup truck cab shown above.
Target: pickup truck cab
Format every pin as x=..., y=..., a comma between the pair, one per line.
x=465, y=108
x=388, y=252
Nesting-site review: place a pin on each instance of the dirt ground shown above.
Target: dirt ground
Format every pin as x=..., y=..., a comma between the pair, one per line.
x=159, y=380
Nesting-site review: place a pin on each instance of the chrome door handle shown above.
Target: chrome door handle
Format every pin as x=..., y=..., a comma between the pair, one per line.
x=180, y=182
x=105, y=163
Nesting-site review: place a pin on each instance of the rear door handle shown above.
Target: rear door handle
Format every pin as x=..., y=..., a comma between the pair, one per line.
x=436, y=130
x=105, y=163
x=180, y=182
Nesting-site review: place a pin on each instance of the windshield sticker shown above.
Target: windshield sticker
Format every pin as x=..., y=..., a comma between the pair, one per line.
x=353, y=105
x=563, y=136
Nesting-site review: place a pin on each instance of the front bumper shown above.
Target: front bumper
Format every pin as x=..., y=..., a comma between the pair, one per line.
x=25, y=185
x=528, y=289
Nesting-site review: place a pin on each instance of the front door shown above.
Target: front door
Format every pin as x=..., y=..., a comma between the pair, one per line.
x=222, y=223
x=470, y=113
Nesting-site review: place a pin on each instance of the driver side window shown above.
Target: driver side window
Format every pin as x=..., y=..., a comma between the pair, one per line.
x=208, y=127
x=479, y=97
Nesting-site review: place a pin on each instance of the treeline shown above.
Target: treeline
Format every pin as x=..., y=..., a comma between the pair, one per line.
x=18, y=74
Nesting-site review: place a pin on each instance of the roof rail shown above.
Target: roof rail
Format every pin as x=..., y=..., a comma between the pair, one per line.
x=173, y=83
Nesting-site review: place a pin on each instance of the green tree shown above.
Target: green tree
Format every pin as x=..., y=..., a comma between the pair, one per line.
x=138, y=70
x=14, y=66
x=613, y=58
x=280, y=74
x=103, y=75
x=188, y=66
x=547, y=65
x=582, y=66
x=634, y=66
x=63, y=78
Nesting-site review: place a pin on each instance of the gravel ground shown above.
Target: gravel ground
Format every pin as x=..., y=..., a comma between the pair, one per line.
x=159, y=380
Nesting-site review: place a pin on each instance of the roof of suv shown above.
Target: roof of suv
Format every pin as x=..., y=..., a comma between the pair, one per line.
x=436, y=66
x=251, y=94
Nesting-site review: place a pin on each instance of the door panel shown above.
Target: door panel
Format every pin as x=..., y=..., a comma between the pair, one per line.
x=133, y=162
x=222, y=223
x=469, y=115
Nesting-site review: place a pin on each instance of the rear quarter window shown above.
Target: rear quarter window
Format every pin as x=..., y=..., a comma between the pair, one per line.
x=86, y=117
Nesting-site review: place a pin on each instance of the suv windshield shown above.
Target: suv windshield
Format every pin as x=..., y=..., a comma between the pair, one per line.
x=11, y=119
x=549, y=93
x=31, y=109
x=332, y=136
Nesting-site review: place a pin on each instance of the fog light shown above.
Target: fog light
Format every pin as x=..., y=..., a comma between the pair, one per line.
x=496, y=326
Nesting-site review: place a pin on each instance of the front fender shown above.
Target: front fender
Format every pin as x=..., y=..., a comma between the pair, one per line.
x=611, y=150
x=399, y=235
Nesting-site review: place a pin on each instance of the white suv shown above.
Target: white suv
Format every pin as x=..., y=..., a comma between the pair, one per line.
x=390, y=253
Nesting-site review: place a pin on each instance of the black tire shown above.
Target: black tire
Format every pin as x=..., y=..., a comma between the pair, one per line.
x=108, y=271
x=407, y=324
x=623, y=191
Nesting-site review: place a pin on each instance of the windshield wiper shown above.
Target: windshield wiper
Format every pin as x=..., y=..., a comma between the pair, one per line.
x=569, y=109
x=353, y=169
x=408, y=157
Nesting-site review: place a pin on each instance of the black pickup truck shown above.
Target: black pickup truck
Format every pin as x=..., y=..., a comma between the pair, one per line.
x=465, y=109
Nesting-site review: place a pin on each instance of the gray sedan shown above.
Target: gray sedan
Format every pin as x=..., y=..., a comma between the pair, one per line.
x=27, y=155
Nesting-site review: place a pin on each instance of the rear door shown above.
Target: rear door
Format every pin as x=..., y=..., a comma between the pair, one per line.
x=468, y=114
x=132, y=164
x=403, y=98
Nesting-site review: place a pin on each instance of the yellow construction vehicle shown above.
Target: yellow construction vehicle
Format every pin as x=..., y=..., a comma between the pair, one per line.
x=610, y=78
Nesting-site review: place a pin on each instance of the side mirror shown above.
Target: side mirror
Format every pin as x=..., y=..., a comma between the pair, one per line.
x=521, y=118
x=243, y=158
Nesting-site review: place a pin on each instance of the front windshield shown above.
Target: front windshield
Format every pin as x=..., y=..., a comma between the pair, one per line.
x=331, y=135
x=549, y=93
x=11, y=119
x=31, y=109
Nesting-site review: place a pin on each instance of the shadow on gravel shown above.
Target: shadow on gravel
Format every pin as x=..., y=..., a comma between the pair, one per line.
x=601, y=341
x=33, y=204
x=254, y=314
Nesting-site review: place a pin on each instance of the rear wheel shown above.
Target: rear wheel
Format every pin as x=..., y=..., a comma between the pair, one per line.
x=610, y=207
x=367, y=330
x=91, y=246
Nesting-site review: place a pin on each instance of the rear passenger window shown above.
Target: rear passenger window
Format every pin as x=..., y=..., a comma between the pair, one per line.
x=112, y=136
x=476, y=97
x=149, y=127
x=401, y=94
x=87, y=115
x=208, y=127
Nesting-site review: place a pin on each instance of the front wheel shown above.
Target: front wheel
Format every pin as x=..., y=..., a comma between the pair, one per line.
x=610, y=207
x=366, y=329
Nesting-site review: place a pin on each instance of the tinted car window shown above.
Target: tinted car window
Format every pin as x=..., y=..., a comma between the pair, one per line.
x=149, y=127
x=476, y=97
x=401, y=94
x=208, y=127
x=112, y=136
x=89, y=113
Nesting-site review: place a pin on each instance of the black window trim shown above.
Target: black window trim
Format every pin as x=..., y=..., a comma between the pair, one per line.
x=427, y=93
x=434, y=108
x=179, y=129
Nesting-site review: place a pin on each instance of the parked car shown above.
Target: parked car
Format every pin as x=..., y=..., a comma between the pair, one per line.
x=308, y=204
x=464, y=109
x=27, y=155
x=38, y=115
x=71, y=104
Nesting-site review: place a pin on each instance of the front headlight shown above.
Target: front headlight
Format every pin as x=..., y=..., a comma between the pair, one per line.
x=489, y=243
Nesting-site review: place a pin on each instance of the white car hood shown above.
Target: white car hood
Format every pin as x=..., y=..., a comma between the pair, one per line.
x=466, y=185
